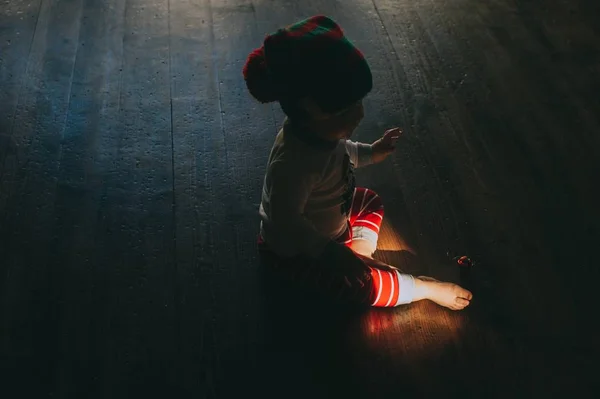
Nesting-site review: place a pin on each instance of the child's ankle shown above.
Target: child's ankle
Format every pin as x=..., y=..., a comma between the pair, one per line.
x=422, y=289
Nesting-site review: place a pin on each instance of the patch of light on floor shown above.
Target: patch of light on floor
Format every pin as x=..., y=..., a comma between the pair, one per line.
x=391, y=240
x=419, y=330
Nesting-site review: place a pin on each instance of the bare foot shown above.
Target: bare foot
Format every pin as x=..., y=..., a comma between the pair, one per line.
x=363, y=247
x=445, y=294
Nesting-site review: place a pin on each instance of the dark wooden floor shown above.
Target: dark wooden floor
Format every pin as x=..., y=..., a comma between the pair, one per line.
x=131, y=162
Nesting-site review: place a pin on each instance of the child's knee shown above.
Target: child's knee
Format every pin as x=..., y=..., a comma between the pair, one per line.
x=373, y=201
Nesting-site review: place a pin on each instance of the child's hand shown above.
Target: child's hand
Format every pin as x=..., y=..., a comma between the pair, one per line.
x=383, y=147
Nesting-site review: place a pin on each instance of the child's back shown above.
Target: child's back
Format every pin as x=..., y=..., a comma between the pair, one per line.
x=314, y=179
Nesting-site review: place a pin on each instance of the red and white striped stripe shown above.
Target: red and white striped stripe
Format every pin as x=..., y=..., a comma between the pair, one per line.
x=387, y=286
x=392, y=288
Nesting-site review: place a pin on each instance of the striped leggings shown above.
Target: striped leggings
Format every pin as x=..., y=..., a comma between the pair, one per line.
x=376, y=286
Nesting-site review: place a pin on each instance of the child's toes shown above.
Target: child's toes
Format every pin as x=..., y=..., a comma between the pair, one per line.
x=461, y=302
x=463, y=293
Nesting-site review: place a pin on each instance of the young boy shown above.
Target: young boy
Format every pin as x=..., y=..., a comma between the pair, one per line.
x=317, y=226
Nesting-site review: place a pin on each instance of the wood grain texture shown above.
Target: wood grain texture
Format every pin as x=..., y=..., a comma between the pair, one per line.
x=31, y=284
x=131, y=166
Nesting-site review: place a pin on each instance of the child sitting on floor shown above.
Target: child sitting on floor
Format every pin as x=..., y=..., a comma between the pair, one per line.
x=317, y=226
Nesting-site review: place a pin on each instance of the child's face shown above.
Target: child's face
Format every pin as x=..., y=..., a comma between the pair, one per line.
x=342, y=124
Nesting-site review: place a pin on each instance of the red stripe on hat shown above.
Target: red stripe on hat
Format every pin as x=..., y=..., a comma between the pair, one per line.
x=323, y=20
x=302, y=29
x=334, y=34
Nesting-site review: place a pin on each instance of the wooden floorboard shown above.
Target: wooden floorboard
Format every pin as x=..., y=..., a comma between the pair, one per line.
x=18, y=23
x=131, y=166
x=137, y=225
x=31, y=284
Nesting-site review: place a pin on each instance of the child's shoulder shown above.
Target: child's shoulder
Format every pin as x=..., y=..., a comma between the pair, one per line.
x=295, y=147
x=292, y=156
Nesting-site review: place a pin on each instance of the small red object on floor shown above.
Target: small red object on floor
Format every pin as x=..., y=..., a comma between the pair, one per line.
x=464, y=261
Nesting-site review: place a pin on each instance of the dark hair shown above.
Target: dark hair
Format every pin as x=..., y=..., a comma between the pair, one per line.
x=293, y=110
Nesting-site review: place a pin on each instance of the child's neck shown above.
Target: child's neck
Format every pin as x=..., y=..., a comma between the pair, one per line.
x=321, y=130
x=313, y=135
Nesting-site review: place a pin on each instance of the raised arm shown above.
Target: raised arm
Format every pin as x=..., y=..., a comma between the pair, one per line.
x=361, y=154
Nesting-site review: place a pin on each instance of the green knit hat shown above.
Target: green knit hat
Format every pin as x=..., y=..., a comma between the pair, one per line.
x=310, y=58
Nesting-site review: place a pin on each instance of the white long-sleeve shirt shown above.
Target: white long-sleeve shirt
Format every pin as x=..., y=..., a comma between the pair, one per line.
x=307, y=191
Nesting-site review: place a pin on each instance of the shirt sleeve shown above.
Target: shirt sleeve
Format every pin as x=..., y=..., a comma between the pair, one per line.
x=361, y=154
x=288, y=193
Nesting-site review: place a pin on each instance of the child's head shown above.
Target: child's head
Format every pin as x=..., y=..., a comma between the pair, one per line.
x=314, y=72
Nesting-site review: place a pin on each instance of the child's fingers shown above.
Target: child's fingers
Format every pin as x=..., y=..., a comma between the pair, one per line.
x=391, y=136
x=393, y=133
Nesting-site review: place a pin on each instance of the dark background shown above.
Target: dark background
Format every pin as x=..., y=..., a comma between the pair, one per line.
x=131, y=164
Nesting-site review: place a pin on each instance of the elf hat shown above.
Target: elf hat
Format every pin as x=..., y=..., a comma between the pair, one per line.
x=311, y=58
